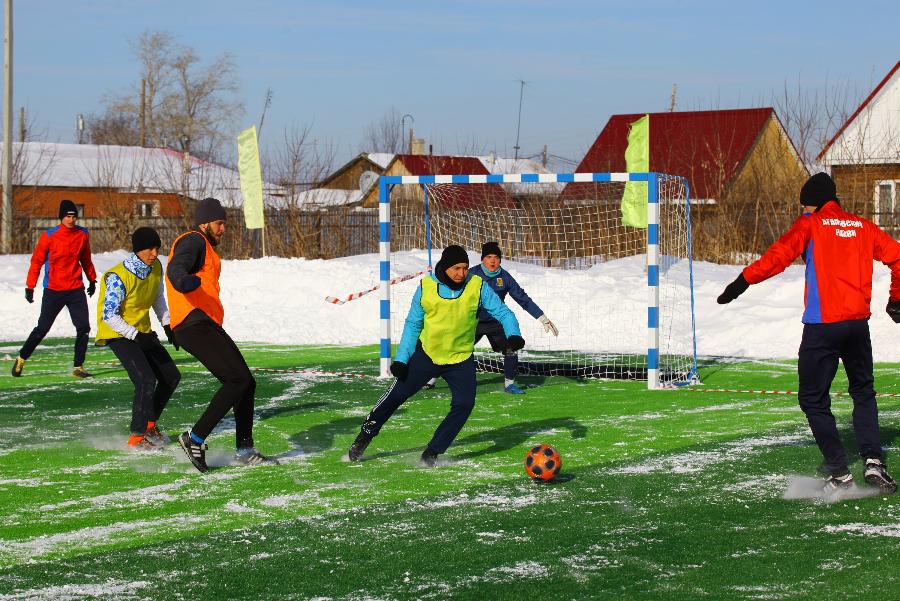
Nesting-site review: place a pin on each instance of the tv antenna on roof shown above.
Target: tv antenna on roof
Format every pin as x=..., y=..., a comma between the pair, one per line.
x=519, y=125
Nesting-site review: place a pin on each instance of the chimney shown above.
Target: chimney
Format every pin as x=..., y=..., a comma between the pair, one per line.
x=418, y=146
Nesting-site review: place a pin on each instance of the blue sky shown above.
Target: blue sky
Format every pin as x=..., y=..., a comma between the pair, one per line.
x=339, y=66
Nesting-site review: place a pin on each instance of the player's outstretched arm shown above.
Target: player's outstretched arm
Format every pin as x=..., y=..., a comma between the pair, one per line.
x=520, y=296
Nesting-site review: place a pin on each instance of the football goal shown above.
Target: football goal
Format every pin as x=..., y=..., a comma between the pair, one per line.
x=620, y=295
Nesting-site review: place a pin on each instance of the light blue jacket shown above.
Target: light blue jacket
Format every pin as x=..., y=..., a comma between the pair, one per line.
x=415, y=319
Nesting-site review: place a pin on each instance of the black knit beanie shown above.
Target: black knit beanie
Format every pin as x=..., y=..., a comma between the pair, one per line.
x=490, y=248
x=452, y=255
x=818, y=190
x=208, y=210
x=144, y=238
x=67, y=207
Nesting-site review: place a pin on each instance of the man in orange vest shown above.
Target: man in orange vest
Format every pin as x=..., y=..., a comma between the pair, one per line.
x=196, y=314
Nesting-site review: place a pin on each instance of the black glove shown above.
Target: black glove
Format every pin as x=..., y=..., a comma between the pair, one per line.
x=170, y=336
x=514, y=343
x=92, y=287
x=146, y=340
x=733, y=290
x=893, y=309
x=400, y=370
x=189, y=283
x=29, y=295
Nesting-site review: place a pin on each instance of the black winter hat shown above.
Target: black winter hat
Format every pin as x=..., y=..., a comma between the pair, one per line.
x=208, y=209
x=144, y=238
x=490, y=248
x=452, y=255
x=67, y=207
x=818, y=190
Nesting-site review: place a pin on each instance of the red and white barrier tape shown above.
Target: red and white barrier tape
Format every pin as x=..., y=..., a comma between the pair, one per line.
x=337, y=301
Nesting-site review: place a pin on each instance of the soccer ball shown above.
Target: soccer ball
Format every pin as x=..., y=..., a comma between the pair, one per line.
x=542, y=462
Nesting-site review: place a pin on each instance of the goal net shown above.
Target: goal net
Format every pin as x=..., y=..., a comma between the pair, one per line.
x=621, y=296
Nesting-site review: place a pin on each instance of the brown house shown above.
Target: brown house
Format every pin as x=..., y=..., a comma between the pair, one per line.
x=741, y=167
x=864, y=155
x=116, y=188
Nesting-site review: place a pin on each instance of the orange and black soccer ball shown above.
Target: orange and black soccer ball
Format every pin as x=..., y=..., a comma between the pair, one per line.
x=542, y=462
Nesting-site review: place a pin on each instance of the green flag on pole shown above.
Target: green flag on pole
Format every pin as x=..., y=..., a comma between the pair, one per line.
x=251, y=178
x=637, y=159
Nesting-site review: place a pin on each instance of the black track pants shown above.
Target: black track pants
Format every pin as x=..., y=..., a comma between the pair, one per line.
x=215, y=349
x=821, y=347
x=460, y=377
x=52, y=302
x=495, y=335
x=154, y=376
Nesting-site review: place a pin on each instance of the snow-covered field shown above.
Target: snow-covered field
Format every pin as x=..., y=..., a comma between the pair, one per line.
x=282, y=301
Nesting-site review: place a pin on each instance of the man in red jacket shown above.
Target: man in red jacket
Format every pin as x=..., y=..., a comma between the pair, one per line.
x=838, y=248
x=63, y=251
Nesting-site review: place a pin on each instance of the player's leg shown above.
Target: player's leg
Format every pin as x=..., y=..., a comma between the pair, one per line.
x=52, y=303
x=495, y=335
x=421, y=370
x=461, y=379
x=857, y=358
x=129, y=353
x=76, y=302
x=167, y=379
x=816, y=367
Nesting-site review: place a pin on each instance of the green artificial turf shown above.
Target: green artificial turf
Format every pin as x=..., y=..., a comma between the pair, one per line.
x=663, y=495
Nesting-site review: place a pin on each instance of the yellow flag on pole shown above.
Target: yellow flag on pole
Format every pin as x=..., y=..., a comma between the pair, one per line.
x=251, y=178
x=637, y=159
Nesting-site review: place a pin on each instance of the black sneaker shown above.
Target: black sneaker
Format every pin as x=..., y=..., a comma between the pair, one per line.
x=18, y=366
x=195, y=452
x=429, y=458
x=80, y=372
x=250, y=456
x=836, y=484
x=359, y=446
x=876, y=475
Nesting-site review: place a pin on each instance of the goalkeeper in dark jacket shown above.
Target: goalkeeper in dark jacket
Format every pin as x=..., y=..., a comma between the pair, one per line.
x=438, y=341
x=838, y=248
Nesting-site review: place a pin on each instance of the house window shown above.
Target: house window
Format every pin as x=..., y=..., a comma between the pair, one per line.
x=147, y=208
x=80, y=209
x=887, y=201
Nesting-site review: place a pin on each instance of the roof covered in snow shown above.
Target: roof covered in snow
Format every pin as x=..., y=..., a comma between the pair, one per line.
x=128, y=169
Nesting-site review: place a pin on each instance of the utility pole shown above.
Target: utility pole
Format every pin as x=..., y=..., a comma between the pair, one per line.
x=266, y=105
x=519, y=125
x=6, y=225
x=674, y=94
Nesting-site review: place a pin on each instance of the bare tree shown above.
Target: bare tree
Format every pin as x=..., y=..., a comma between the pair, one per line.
x=187, y=106
x=385, y=135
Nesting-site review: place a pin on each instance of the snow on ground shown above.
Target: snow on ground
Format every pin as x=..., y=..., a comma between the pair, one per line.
x=279, y=300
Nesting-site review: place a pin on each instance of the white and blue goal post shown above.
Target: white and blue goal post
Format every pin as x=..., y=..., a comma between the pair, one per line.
x=653, y=180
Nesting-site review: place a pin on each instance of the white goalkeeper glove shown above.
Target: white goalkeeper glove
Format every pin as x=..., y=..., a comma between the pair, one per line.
x=548, y=325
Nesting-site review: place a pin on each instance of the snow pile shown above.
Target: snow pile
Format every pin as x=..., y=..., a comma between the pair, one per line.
x=281, y=301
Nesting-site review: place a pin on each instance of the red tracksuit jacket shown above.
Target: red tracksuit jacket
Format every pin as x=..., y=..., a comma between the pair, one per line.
x=838, y=248
x=62, y=252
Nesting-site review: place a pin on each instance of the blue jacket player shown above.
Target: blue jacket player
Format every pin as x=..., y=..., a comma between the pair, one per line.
x=438, y=341
x=502, y=282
